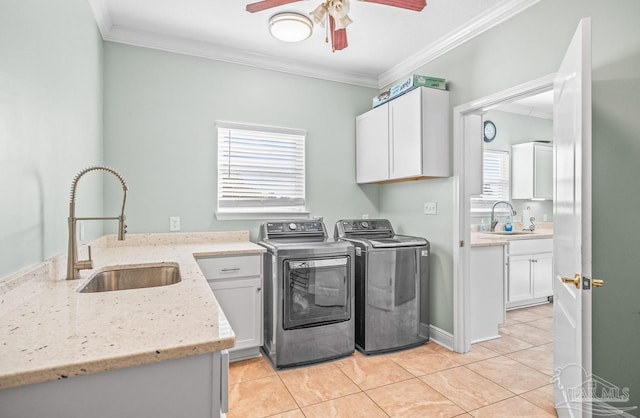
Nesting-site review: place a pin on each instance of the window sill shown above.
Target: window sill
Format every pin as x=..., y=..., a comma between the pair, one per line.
x=243, y=215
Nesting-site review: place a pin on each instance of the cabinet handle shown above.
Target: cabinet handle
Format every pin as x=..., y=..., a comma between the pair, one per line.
x=227, y=270
x=258, y=289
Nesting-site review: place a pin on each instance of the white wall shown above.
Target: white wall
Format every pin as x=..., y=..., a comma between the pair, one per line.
x=160, y=111
x=50, y=124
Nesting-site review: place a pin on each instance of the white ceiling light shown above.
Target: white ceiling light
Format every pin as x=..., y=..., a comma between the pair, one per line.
x=290, y=27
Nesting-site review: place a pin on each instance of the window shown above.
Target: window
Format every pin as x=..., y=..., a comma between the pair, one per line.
x=261, y=171
x=496, y=182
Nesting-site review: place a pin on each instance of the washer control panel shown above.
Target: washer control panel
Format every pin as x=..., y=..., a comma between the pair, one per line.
x=364, y=225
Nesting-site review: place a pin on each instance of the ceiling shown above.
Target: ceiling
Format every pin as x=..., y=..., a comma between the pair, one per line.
x=385, y=43
x=539, y=106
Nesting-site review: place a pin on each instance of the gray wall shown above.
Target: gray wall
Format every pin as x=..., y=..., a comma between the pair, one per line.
x=515, y=129
x=160, y=111
x=526, y=47
x=50, y=124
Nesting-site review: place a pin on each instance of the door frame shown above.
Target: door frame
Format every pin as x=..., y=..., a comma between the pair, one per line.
x=462, y=151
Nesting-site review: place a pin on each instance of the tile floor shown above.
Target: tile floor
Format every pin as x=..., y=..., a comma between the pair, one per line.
x=506, y=377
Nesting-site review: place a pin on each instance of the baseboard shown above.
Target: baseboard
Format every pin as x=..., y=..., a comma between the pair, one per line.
x=441, y=337
x=244, y=354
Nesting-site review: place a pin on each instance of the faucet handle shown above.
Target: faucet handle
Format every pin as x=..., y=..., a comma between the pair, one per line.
x=85, y=264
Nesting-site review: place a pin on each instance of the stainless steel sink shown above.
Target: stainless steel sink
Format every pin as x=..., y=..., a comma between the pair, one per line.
x=508, y=233
x=132, y=277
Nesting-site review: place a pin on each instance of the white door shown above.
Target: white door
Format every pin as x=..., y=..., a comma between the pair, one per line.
x=572, y=224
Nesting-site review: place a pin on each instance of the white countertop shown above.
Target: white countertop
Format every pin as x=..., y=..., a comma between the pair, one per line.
x=483, y=239
x=49, y=331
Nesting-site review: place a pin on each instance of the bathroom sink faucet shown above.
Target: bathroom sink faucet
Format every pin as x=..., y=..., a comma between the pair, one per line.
x=494, y=221
x=73, y=264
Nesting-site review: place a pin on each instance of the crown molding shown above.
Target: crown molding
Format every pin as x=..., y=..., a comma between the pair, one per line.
x=481, y=24
x=102, y=16
x=209, y=50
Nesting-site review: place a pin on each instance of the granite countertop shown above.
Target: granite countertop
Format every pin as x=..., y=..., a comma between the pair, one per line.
x=49, y=331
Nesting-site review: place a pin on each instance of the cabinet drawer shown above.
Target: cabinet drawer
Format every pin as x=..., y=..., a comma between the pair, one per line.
x=530, y=246
x=221, y=268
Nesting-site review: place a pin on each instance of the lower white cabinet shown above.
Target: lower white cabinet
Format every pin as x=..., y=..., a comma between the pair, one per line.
x=530, y=272
x=194, y=386
x=236, y=282
x=487, y=292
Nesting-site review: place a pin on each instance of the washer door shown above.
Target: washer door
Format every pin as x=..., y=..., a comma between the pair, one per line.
x=316, y=291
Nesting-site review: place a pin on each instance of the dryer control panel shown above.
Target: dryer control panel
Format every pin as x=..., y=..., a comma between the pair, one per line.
x=293, y=229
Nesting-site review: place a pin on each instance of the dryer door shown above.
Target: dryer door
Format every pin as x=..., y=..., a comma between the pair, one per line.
x=316, y=291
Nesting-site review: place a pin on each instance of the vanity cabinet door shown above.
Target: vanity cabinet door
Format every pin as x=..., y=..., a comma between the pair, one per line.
x=520, y=286
x=241, y=302
x=542, y=271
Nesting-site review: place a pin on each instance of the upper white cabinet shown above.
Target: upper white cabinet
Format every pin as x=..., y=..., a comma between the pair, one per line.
x=405, y=138
x=532, y=171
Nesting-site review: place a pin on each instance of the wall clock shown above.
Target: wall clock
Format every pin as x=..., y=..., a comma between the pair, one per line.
x=490, y=131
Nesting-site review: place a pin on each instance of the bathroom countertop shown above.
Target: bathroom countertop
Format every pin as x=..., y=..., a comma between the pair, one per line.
x=49, y=331
x=484, y=239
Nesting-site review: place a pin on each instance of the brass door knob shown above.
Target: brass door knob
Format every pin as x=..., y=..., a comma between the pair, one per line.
x=577, y=280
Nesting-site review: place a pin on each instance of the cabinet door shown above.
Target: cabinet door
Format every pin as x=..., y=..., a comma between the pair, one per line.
x=520, y=286
x=372, y=145
x=241, y=302
x=405, y=138
x=542, y=271
x=543, y=175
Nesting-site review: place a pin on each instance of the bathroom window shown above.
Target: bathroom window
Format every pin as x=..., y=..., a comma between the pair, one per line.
x=261, y=172
x=496, y=183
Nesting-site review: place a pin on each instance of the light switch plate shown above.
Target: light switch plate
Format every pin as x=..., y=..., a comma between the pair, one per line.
x=430, y=208
x=174, y=223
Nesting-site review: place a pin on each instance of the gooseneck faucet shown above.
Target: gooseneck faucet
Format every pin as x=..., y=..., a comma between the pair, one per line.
x=73, y=264
x=494, y=222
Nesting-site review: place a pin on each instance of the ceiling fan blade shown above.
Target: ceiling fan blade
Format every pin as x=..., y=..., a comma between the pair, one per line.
x=338, y=37
x=416, y=5
x=267, y=4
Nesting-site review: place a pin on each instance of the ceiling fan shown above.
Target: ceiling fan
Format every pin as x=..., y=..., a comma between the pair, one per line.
x=336, y=12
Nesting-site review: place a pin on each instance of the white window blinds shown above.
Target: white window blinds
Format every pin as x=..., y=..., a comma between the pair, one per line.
x=496, y=179
x=260, y=168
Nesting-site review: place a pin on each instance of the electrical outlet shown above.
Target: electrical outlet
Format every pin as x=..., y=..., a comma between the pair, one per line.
x=365, y=216
x=174, y=223
x=430, y=208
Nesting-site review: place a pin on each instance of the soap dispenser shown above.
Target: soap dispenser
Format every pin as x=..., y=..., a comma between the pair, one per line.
x=508, y=227
x=483, y=227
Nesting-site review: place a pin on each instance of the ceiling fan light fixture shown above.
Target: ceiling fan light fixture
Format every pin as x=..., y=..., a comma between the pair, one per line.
x=339, y=10
x=319, y=15
x=290, y=27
